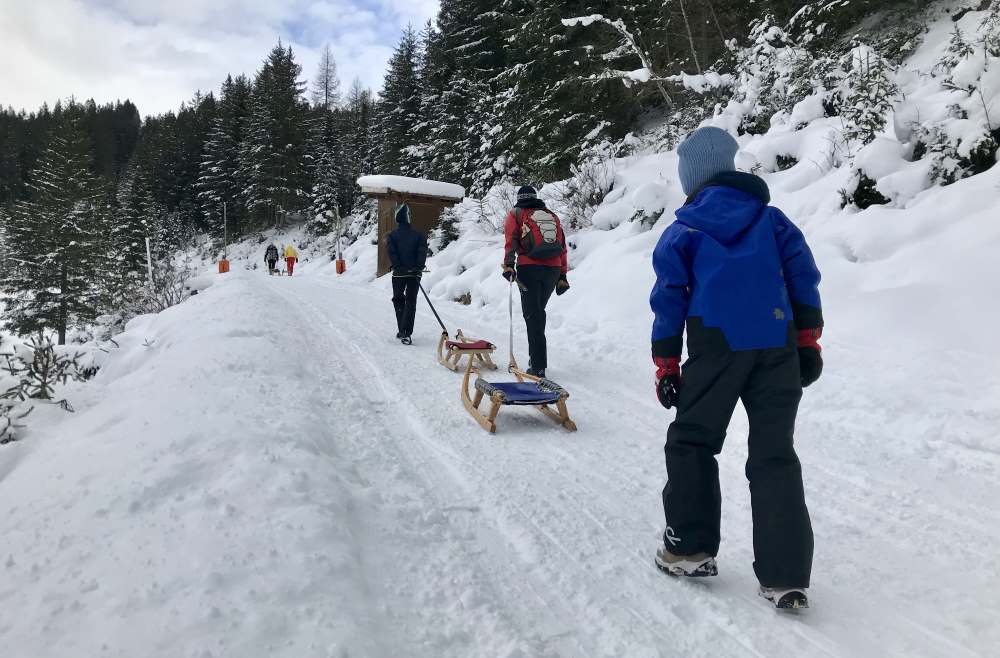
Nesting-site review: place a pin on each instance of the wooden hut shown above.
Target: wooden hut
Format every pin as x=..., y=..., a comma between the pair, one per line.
x=426, y=199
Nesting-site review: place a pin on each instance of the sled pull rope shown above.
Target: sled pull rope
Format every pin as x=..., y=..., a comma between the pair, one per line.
x=433, y=310
x=510, y=315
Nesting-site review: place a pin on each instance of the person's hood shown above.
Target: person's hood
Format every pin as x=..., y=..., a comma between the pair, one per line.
x=530, y=204
x=726, y=206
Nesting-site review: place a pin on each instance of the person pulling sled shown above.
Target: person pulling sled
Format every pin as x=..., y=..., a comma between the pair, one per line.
x=407, y=251
x=739, y=275
x=535, y=256
x=271, y=258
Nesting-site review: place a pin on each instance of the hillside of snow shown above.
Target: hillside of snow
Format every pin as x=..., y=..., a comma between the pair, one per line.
x=263, y=471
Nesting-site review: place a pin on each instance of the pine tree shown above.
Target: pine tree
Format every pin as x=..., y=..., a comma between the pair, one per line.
x=325, y=143
x=219, y=180
x=357, y=142
x=55, y=242
x=561, y=101
x=326, y=85
x=398, y=110
x=273, y=156
x=870, y=94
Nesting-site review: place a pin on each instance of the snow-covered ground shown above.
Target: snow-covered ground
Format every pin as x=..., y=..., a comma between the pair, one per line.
x=263, y=471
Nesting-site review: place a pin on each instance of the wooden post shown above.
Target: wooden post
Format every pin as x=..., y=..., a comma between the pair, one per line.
x=149, y=264
x=224, y=263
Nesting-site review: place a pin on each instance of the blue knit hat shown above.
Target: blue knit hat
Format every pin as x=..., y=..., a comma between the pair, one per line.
x=706, y=153
x=403, y=214
x=526, y=192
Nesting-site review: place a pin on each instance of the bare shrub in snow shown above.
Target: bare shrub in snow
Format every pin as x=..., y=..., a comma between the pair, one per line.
x=589, y=183
x=38, y=367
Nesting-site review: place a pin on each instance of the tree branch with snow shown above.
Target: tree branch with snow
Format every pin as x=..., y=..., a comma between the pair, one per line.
x=629, y=41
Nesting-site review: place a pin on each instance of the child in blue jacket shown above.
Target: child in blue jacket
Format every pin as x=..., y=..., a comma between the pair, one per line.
x=739, y=276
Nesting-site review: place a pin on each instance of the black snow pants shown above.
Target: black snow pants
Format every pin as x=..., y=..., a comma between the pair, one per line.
x=539, y=283
x=404, y=299
x=767, y=381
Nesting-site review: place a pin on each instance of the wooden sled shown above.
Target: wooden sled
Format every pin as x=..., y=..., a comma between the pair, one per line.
x=527, y=391
x=450, y=352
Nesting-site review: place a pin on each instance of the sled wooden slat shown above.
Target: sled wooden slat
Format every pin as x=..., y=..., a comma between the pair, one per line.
x=545, y=389
x=450, y=352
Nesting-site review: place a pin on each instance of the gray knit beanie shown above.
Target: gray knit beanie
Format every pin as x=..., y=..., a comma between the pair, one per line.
x=706, y=153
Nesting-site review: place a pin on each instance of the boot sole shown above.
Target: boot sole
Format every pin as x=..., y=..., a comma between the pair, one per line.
x=792, y=600
x=706, y=569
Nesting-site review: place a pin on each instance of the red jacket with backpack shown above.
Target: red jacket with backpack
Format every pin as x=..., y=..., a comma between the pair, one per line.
x=534, y=241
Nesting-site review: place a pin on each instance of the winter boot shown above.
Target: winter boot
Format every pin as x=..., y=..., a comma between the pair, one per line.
x=698, y=565
x=536, y=372
x=406, y=340
x=399, y=334
x=785, y=598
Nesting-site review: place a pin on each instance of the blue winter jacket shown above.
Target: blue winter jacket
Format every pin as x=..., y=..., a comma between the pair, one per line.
x=734, y=264
x=407, y=250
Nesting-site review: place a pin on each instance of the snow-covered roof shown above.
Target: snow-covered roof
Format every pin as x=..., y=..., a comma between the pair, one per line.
x=404, y=185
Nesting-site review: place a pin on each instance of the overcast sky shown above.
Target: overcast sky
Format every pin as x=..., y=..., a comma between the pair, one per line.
x=158, y=52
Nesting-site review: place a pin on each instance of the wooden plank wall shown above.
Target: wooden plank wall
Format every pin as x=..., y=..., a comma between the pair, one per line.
x=425, y=213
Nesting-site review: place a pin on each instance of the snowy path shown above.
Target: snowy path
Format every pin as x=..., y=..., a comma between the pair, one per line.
x=303, y=485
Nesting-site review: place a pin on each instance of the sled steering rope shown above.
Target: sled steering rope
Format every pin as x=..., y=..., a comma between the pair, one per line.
x=528, y=391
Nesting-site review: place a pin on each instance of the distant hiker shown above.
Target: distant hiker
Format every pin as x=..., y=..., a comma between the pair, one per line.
x=407, y=249
x=291, y=257
x=535, y=255
x=271, y=258
x=741, y=277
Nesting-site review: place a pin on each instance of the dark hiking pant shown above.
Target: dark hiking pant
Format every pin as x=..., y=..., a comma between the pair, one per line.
x=404, y=299
x=539, y=282
x=767, y=381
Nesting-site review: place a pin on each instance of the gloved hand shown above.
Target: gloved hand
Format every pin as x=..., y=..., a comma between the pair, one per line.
x=810, y=355
x=562, y=285
x=509, y=273
x=668, y=380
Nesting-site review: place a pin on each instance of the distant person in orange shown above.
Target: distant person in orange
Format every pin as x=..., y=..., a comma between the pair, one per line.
x=291, y=256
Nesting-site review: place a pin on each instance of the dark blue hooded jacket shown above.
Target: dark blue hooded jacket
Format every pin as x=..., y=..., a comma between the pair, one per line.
x=732, y=264
x=406, y=247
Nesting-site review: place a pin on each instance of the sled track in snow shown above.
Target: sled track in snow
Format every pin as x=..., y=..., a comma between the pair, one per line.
x=559, y=529
x=687, y=624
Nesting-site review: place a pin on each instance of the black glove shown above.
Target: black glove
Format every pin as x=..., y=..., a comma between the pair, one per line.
x=562, y=285
x=668, y=381
x=810, y=365
x=509, y=273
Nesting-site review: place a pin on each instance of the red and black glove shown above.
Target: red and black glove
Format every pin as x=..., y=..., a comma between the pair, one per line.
x=810, y=355
x=668, y=380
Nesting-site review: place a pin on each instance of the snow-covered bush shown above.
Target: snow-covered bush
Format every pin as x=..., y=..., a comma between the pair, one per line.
x=38, y=367
x=773, y=75
x=862, y=192
x=869, y=94
x=447, y=231
x=13, y=410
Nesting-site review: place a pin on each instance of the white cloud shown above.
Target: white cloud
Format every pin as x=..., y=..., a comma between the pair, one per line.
x=157, y=53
